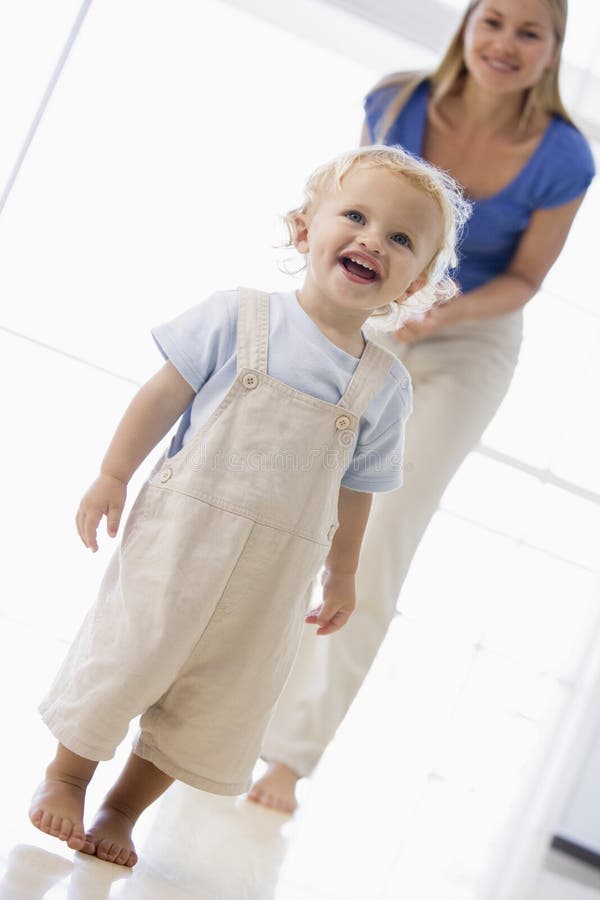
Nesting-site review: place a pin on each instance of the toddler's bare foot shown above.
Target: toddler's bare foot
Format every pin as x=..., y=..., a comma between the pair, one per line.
x=276, y=789
x=111, y=835
x=57, y=809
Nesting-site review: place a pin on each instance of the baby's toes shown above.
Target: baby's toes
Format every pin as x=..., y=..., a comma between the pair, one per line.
x=107, y=850
x=102, y=849
x=133, y=858
x=76, y=840
x=45, y=821
x=88, y=846
x=122, y=857
x=113, y=852
x=56, y=825
x=66, y=829
x=35, y=817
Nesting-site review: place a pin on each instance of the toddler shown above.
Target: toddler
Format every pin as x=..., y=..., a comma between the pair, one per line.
x=290, y=419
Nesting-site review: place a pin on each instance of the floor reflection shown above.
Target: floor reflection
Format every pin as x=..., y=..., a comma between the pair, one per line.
x=219, y=847
x=32, y=873
x=193, y=845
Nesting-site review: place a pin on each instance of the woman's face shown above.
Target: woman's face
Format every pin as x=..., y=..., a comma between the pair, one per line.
x=509, y=44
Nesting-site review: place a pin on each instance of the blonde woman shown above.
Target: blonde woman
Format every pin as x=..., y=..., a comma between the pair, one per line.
x=491, y=115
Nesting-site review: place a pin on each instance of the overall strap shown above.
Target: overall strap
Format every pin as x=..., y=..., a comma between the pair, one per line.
x=253, y=330
x=369, y=376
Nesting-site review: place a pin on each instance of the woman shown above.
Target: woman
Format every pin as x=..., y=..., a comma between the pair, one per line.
x=492, y=116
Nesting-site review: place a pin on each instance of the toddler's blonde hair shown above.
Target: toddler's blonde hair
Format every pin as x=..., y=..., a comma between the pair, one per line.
x=453, y=207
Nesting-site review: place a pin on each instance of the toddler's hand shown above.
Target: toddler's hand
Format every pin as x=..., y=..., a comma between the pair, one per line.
x=339, y=601
x=106, y=497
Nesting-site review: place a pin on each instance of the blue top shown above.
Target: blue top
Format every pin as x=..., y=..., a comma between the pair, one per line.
x=560, y=169
x=202, y=345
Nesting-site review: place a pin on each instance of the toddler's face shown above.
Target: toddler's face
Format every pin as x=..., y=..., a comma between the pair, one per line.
x=369, y=242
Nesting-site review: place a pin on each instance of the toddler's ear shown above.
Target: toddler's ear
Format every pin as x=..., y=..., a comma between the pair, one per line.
x=301, y=230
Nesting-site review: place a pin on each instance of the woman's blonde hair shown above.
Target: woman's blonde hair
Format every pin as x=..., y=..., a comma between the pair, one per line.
x=454, y=212
x=542, y=97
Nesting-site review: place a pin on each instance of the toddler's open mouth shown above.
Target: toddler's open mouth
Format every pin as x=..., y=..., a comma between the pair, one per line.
x=359, y=271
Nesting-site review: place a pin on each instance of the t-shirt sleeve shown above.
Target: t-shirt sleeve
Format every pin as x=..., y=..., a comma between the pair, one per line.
x=376, y=466
x=375, y=105
x=573, y=168
x=200, y=340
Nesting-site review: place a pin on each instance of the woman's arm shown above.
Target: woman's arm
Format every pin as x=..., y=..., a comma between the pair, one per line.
x=152, y=412
x=537, y=251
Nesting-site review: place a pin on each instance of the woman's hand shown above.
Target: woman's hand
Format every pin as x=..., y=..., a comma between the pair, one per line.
x=420, y=329
x=443, y=312
x=339, y=601
x=105, y=497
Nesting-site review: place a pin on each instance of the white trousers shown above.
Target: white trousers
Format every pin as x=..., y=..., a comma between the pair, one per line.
x=459, y=380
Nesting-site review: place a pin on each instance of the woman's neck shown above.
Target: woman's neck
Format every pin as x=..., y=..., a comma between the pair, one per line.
x=492, y=114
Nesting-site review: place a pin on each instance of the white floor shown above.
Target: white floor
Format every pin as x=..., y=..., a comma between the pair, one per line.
x=377, y=817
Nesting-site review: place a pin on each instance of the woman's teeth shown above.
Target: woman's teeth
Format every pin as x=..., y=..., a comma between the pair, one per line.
x=499, y=64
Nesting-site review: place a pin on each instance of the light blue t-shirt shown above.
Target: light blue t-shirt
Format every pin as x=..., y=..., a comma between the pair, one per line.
x=202, y=345
x=560, y=169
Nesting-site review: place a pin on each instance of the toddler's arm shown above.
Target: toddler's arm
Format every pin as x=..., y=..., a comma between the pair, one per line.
x=339, y=593
x=152, y=412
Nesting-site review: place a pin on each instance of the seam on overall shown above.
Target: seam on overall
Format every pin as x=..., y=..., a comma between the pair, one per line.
x=148, y=749
x=153, y=709
x=253, y=330
x=217, y=604
x=376, y=365
x=261, y=345
x=217, y=503
x=231, y=395
x=289, y=391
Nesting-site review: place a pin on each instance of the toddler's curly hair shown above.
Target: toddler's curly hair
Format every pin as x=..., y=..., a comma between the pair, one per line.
x=454, y=209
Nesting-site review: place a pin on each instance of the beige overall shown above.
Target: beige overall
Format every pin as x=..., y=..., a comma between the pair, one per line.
x=200, y=612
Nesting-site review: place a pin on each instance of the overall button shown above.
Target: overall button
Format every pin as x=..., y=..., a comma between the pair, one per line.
x=165, y=475
x=342, y=422
x=250, y=381
x=331, y=532
x=346, y=438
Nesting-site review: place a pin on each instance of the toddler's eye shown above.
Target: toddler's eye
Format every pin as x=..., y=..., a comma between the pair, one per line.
x=402, y=239
x=355, y=216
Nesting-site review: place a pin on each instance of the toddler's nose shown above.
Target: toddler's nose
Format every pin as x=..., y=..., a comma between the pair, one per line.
x=371, y=241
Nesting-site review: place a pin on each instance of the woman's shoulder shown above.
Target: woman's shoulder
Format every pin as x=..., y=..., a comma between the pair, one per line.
x=397, y=81
x=570, y=144
x=391, y=98
x=563, y=167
